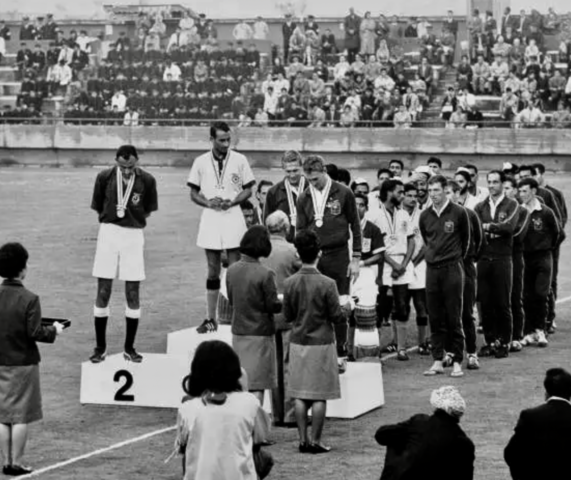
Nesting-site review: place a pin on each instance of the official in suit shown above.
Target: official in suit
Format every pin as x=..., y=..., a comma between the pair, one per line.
x=543, y=433
x=430, y=446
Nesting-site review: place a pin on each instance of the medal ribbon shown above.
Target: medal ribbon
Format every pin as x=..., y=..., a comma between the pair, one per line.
x=122, y=200
x=391, y=221
x=319, y=210
x=219, y=175
x=290, y=202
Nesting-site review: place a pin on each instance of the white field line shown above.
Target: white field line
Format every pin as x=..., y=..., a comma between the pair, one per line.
x=146, y=436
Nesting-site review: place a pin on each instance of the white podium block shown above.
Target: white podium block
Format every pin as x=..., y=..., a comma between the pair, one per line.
x=361, y=391
x=185, y=342
x=155, y=382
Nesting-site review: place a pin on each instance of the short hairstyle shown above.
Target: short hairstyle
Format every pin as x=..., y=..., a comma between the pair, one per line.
x=557, y=383
x=247, y=205
x=216, y=126
x=380, y=171
x=332, y=171
x=264, y=183
x=357, y=182
x=388, y=186
x=13, y=260
x=126, y=151
x=364, y=198
x=256, y=242
x=464, y=174
x=498, y=172
x=435, y=160
x=440, y=179
x=292, y=156
x=307, y=245
x=511, y=180
x=530, y=182
x=215, y=368
x=278, y=221
x=314, y=163
x=530, y=168
x=397, y=161
x=539, y=167
x=454, y=185
x=410, y=186
x=471, y=167
x=344, y=176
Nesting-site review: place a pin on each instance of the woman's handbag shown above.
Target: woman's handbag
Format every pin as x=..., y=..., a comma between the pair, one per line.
x=263, y=461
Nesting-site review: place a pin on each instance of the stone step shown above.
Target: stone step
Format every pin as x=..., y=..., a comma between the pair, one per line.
x=7, y=74
x=10, y=88
x=9, y=59
x=8, y=100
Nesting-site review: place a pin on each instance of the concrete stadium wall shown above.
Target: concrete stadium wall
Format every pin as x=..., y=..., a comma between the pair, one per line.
x=65, y=145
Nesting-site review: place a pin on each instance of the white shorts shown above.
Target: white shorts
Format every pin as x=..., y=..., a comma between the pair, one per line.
x=388, y=280
x=221, y=230
x=418, y=281
x=119, y=253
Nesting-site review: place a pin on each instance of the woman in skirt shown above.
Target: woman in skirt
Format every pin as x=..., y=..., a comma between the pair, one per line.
x=253, y=295
x=20, y=328
x=311, y=302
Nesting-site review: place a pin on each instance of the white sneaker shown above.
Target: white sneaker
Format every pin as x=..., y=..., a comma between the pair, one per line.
x=457, y=370
x=529, y=340
x=541, y=339
x=473, y=363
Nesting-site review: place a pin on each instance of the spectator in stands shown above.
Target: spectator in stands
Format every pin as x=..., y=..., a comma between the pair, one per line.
x=261, y=29
x=28, y=30
x=270, y=103
x=287, y=31
x=49, y=29
x=499, y=72
x=261, y=118
x=367, y=34
x=537, y=36
x=530, y=117
x=562, y=117
x=66, y=54
x=384, y=84
x=464, y=73
x=449, y=104
x=316, y=115
x=411, y=101
x=131, y=118
x=316, y=87
x=328, y=45
x=321, y=70
x=311, y=47
x=5, y=31
x=243, y=31
x=395, y=28
x=119, y=101
x=475, y=30
x=501, y=48
x=450, y=24
x=508, y=21
x=383, y=53
x=426, y=73
x=297, y=43
x=352, y=26
x=513, y=83
x=531, y=51
x=348, y=118
x=402, y=118
x=551, y=22
x=411, y=30
x=523, y=25
x=23, y=57
x=311, y=24
x=176, y=40
x=172, y=70
x=457, y=119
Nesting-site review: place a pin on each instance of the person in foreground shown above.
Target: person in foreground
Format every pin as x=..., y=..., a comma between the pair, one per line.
x=20, y=328
x=311, y=303
x=543, y=432
x=430, y=446
x=219, y=427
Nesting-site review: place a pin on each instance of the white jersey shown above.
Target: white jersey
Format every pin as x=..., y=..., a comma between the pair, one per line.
x=221, y=230
x=481, y=194
x=418, y=281
x=471, y=202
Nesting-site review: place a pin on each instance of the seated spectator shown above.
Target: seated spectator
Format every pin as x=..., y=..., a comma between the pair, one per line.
x=537, y=37
x=242, y=31
x=301, y=86
x=316, y=116
x=281, y=83
x=501, y=49
x=66, y=54
x=348, y=118
x=384, y=84
x=297, y=116
x=531, y=50
x=426, y=73
x=297, y=42
x=368, y=104
x=556, y=88
x=261, y=30
x=119, y=100
x=517, y=55
x=428, y=46
x=261, y=118
x=411, y=30
x=411, y=101
x=328, y=45
x=294, y=68
x=512, y=83
x=551, y=21
x=283, y=105
x=562, y=117
x=422, y=27
x=173, y=71
x=395, y=28
x=464, y=73
x=84, y=41
x=419, y=87
x=316, y=87
x=59, y=77
x=401, y=83
x=357, y=67
x=341, y=68
x=499, y=72
x=270, y=103
x=372, y=69
x=530, y=117
x=430, y=446
x=37, y=59
x=79, y=60
x=449, y=104
x=509, y=36
x=321, y=70
x=353, y=100
x=131, y=118
x=383, y=52
x=457, y=119
x=402, y=118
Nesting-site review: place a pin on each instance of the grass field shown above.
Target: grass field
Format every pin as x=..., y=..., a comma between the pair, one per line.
x=48, y=211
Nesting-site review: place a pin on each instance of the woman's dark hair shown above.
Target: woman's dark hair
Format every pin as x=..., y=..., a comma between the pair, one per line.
x=215, y=368
x=307, y=245
x=256, y=242
x=13, y=259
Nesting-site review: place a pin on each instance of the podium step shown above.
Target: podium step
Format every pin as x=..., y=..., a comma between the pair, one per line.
x=185, y=342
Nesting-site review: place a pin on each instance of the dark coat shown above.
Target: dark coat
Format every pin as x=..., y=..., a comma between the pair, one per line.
x=541, y=432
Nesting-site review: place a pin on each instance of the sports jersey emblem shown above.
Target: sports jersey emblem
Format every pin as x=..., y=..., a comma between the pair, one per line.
x=449, y=227
x=136, y=198
x=537, y=224
x=416, y=231
x=366, y=246
x=335, y=207
x=235, y=179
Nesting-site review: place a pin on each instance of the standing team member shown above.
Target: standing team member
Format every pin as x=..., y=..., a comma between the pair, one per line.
x=417, y=285
x=498, y=215
x=481, y=193
x=219, y=180
x=421, y=177
x=124, y=197
x=435, y=165
x=522, y=225
x=397, y=168
x=465, y=198
x=541, y=239
x=283, y=195
x=284, y=261
x=395, y=225
x=261, y=195
x=445, y=229
x=470, y=278
x=329, y=209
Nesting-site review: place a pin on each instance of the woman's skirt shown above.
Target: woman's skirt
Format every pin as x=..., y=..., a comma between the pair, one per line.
x=313, y=372
x=258, y=357
x=20, y=394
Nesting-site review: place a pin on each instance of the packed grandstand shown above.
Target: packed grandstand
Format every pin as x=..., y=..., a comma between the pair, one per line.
x=379, y=71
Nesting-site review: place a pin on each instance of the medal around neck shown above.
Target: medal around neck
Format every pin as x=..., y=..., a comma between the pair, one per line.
x=319, y=223
x=319, y=204
x=123, y=197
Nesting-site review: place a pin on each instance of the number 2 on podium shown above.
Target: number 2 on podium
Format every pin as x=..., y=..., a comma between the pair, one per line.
x=121, y=396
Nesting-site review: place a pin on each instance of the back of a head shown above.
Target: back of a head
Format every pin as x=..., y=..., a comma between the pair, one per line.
x=307, y=245
x=13, y=260
x=256, y=242
x=344, y=176
x=278, y=222
x=557, y=383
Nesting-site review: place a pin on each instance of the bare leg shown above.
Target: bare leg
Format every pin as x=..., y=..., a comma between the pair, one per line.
x=19, y=438
x=317, y=421
x=6, y=443
x=101, y=312
x=132, y=314
x=214, y=264
x=104, y=289
x=301, y=409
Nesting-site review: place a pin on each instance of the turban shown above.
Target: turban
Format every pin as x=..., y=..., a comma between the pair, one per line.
x=449, y=400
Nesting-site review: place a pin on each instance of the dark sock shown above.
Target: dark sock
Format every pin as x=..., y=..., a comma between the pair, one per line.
x=132, y=325
x=100, y=332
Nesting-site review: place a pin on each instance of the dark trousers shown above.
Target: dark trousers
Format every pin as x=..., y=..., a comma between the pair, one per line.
x=444, y=295
x=536, y=286
x=517, y=295
x=399, y=302
x=384, y=306
x=418, y=299
x=334, y=264
x=282, y=405
x=469, y=303
x=553, y=292
x=494, y=295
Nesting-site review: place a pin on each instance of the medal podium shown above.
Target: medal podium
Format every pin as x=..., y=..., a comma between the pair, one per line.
x=157, y=380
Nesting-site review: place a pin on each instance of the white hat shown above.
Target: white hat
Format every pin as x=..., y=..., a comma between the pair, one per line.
x=464, y=169
x=424, y=169
x=360, y=181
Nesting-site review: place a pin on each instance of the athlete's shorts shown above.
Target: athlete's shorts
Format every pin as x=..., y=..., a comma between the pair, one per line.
x=119, y=253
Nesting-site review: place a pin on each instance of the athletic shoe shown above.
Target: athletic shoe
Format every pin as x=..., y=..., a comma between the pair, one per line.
x=390, y=348
x=488, y=350
x=317, y=449
x=16, y=470
x=551, y=329
x=342, y=363
x=541, y=340
x=502, y=351
x=98, y=355
x=402, y=356
x=448, y=360
x=133, y=356
x=208, y=326
x=473, y=362
x=351, y=358
x=436, y=369
x=516, y=346
x=423, y=349
x=456, y=370
x=529, y=339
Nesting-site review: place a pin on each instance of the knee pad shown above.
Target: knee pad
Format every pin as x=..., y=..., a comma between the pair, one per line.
x=131, y=313
x=101, y=312
x=213, y=284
